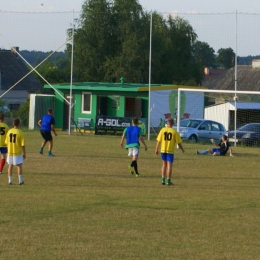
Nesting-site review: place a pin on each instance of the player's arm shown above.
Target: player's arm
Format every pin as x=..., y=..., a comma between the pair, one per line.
x=122, y=140
x=213, y=141
x=40, y=122
x=53, y=130
x=24, y=154
x=52, y=126
x=143, y=142
x=157, y=147
x=180, y=146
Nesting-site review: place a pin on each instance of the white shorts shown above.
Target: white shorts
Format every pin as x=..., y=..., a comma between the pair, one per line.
x=14, y=160
x=133, y=151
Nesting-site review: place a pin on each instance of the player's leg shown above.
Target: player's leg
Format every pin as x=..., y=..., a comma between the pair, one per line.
x=44, y=142
x=9, y=160
x=204, y=152
x=134, y=162
x=163, y=171
x=169, y=173
x=20, y=174
x=10, y=171
x=49, y=138
x=170, y=159
x=131, y=166
x=3, y=158
x=50, y=145
x=164, y=167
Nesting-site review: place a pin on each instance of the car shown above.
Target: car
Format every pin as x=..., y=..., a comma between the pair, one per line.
x=4, y=109
x=248, y=134
x=202, y=130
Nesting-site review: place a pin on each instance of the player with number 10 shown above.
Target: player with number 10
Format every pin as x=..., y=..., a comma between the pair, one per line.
x=167, y=139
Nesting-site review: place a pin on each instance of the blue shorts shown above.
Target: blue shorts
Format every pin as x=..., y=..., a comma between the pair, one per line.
x=3, y=150
x=169, y=157
x=216, y=150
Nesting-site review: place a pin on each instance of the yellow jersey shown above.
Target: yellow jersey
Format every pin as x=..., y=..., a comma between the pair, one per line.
x=14, y=141
x=3, y=131
x=168, y=138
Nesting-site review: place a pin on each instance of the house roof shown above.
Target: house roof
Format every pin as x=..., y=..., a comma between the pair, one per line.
x=248, y=79
x=13, y=69
x=212, y=73
x=241, y=105
x=104, y=86
x=246, y=105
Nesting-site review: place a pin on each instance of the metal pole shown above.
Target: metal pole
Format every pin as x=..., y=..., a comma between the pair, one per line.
x=179, y=110
x=71, y=74
x=235, y=114
x=150, y=72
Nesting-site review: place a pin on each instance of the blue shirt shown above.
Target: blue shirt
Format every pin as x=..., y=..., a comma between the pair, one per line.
x=132, y=136
x=46, y=123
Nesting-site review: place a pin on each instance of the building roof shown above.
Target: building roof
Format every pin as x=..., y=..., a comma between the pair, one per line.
x=13, y=69
x=104, y=86
x=248, y=79
x=241, y=105
x=212, y=73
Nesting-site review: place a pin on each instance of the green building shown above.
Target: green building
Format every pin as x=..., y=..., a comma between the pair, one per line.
x=93, y=99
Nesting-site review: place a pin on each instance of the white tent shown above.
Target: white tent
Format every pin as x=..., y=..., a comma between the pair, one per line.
x=221, y=112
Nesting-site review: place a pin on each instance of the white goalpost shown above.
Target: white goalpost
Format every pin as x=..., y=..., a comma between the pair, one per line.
x=222, y=106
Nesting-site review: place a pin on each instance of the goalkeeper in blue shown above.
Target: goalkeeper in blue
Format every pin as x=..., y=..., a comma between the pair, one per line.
x=133, y=137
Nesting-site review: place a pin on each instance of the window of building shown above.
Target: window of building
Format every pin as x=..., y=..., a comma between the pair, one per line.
x=116, y=102
x=86, y=102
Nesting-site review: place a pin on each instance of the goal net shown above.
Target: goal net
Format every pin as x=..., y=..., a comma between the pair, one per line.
x=237, y=111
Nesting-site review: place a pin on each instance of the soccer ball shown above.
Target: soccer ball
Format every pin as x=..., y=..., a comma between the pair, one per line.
x=235, y=98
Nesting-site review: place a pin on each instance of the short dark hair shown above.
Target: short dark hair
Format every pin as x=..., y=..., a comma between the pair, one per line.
x=2, y=116
x=135, y=120
x=49, y=110
x=225, y=137
x=16, y=121
x=170, y=121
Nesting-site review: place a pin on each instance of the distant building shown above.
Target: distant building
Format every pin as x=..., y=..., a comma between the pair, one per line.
x=248, y=78
x=210, y=74
x=12, y=70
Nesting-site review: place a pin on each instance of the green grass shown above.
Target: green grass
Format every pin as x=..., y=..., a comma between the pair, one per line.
x=84, y=204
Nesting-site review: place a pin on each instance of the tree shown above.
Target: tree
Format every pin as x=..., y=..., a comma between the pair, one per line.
x=181, y=38
x=94, y=40
x=54, y=72
x=226, y=58
x=113, y=40
x=204, y=54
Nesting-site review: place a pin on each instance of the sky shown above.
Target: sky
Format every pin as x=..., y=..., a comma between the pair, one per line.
x=31, y=24
x=182, y=6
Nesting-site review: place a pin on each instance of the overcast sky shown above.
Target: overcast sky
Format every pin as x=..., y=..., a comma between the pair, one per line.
x=182, y=6
x=219, y=31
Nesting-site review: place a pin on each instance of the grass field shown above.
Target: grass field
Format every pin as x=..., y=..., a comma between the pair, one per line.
x=84, y=204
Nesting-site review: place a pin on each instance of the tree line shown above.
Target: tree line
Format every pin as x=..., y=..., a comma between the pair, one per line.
x=112, y=40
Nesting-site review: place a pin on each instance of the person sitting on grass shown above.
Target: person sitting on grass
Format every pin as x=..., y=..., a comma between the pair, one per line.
x=222, y=149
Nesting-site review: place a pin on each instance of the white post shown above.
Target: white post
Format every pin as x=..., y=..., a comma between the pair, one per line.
x=235, y=114
x=150, y=72
x=71, y=74
x=179, y=110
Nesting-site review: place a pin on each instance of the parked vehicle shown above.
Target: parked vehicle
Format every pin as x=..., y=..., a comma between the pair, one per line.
x=196, y=130
x=248, y=134
x=4, y=109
